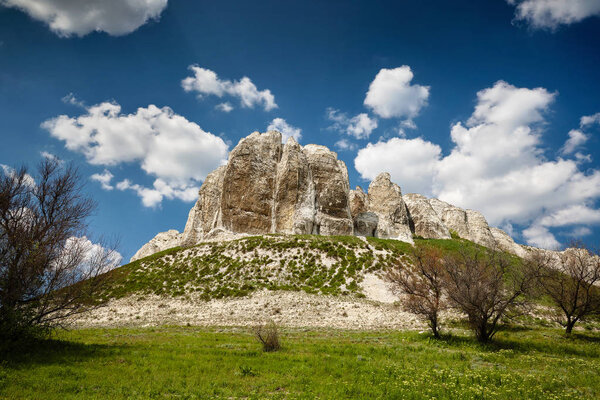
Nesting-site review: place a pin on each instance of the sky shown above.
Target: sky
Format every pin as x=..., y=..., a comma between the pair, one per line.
x=491, y=105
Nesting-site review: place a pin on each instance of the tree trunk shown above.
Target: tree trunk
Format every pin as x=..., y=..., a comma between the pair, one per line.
x=569, y=327
x=435, y=329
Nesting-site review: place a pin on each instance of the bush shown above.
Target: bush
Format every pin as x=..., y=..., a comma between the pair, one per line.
x=268, y=335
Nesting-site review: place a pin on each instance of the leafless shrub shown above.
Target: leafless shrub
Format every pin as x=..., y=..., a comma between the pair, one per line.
x=268, y=336
x=48, y=269
x=422, y=282
x=570, y=280
x=484, y=285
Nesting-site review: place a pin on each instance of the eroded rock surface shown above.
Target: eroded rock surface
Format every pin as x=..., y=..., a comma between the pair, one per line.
x=330, y=178
x=267, y=187
x=206, y=213
x=424, y=220
x=160, y=242
x=249, y=184
x=294, y=201
x=385, y=200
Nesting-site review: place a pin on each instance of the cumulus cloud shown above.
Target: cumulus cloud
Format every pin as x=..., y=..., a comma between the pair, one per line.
x=287, y=131
x=12, y=173
x=49, y=156
x=360, y=126
x=497, y=165
x=205, y=82
x=104, y=179
x=225, y=107
x=177, y=152
x=576, y=139
x=345, y=145
x=572, y=215
x=93, y=254
x=411, y=162
x=550, y=14
x=588, y=120
x=579, y=232
x=540, y=236
x=152, y=197
x=391, y=94
x=80, y=17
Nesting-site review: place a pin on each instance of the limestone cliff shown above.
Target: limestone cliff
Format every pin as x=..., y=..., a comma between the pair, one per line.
x=268, y=187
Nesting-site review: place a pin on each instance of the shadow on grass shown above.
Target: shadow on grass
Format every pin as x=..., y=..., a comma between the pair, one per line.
x=518, y=341
x=33, y=351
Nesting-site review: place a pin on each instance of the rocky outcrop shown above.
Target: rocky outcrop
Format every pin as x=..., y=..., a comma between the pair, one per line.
x=160, y=242
x=330, y=178
x=385, y=200
x=505, y=243
x=294, y=200
x=206, y=213
x=267, y=187
x=365, y=224
x=424, y=221
x=249, y=184
x=479, y=230
x=359, y=201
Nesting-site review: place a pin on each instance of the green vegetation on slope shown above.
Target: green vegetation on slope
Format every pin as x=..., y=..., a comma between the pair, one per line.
x=195, y=363
x=315, y=264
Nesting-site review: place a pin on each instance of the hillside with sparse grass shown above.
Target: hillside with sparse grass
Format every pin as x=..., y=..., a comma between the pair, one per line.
x=326, y=265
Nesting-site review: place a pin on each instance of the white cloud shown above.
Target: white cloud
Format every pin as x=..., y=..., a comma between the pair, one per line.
x=345, y=145
x=588, y=120
x=579, y=232
x=287, y=131
x=12, y=173
x=206, y=82
x=94, y=254
x=80, y=17
x=225, y=107
x=540, y=236
x=74, y=101
x=497, y=164
x=552, y=13
x=576, y=139
x=104, y=178
x=392, y=95
x=573, y=215
x=411, y=162
x=360, y=126
x=152, y=197
x=50, y=156
x=177, y=152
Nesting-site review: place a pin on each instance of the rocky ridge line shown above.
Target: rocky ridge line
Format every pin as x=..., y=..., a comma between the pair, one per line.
x=267, y=187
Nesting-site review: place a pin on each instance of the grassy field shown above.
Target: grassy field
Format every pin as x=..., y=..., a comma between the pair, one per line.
x=194, y=363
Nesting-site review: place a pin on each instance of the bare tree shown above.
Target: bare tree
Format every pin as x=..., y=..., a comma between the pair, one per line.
x=48, y=269
x=421, y=281
x=485, y=285
x=570, y=279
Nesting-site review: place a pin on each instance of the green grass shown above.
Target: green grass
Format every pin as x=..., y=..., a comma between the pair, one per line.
x=331, y=265
x=315, y=264
x=196, y=363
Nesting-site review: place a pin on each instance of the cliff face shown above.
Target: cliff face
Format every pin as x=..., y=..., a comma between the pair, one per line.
x=267, y=187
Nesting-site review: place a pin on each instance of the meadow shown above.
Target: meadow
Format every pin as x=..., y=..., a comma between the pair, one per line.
x=199, y=363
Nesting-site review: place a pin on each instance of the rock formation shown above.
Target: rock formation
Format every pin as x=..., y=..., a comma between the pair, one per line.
x=162, y=241
x=267, y=187
x=385, y=200
x=425, y=222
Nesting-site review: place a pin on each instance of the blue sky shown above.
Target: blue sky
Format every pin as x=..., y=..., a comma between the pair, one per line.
x=478, y=103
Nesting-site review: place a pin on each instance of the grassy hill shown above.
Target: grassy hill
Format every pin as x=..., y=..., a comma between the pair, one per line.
x=331, y=265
